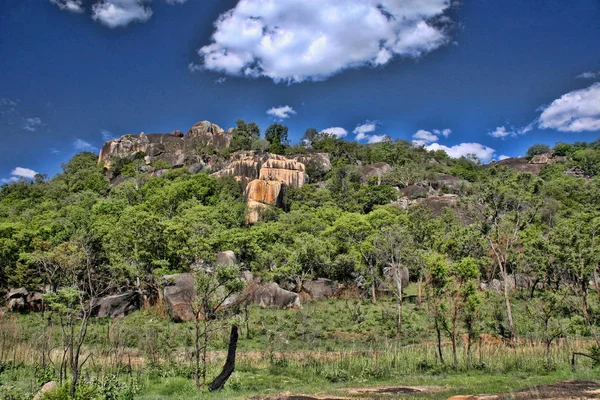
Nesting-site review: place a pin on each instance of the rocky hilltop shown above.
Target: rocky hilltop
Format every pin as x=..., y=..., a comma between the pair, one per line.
x=175, y=148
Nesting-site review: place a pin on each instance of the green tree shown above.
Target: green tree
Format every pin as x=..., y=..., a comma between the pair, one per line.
x=243, y=135
x=277, y=136
x=537, y=149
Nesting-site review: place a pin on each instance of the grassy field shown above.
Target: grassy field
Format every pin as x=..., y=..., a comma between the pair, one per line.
x=325, y=348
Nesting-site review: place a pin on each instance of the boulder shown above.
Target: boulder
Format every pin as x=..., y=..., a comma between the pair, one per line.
x=118, y=305
x=17, y=293
x=374, y=170
x=321, y=288
x=48, y=387
x=35, y=301
x=17, y=304
x=244, y=166
x=179, y=293
x=519, y=165
x=227, y=258
x=211, y=134
x=318, y=163
x=284, y=170
x=271, y=295
x=449, y=181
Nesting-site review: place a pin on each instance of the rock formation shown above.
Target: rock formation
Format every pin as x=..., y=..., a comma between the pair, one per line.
x=264, y=178
x=21, y=300
x=321, y=288
x=374, y=170
x=174, y=148
x=271, y=295
x=118, y=305
x=179, y=293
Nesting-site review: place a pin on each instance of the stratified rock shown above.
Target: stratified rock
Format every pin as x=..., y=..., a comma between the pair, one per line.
x=179, y=293
x=244, y=166
x=374, y=170
x=227, y=258
x=118, y=305
x=211, y=134
x=282, y=169
x=321, y=288
x=271, y=295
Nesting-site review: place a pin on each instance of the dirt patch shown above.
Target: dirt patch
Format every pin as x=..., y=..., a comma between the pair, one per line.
x=295, y=397
x=395, y=390
x=561, y=390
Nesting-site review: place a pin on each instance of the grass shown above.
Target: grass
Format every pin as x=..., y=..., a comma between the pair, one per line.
x=323, y=348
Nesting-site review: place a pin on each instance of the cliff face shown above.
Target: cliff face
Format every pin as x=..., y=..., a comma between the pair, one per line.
x=174, y=148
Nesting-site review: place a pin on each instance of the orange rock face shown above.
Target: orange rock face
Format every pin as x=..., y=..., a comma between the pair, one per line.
x=261, y=194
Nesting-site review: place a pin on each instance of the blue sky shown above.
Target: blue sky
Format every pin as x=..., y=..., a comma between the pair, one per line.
x=489, y=77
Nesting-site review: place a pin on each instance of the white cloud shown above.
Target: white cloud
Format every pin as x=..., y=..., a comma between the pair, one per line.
x=281, y=112
x=443, y=132
x=502, y=132
x=577, y=111
x=12, y=179
x=589, y=75
x=376, y=138
x=337, y=131
x=503, y=157
x=24, y=172
x=82, y=145
x=483, y=153
x=298, y=40
x=221, y=80
x=423, y=137
x=365, y=128
x=75, y=6
x=118, y=13
x=32, y=124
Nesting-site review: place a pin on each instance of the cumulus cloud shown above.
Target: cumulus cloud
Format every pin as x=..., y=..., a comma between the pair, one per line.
x=117, y=13
x=375, y=138
x=577, y=111
x=8, y=106
x=503, y=157
x=298, y=40
x=221, y=80
x=365, y=128
x=423, y=137
x=75, y=6
x=443, y=132
x=589, y=75
x=482, y=152
x=32, y=124
x=337, y=131
x=502, y=132
x=281, y=112
x=114, y=13
x=82, y=145
x=23, y=172
x=12, y=179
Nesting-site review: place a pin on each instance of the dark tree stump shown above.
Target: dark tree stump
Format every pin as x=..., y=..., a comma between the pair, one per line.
x=229, y=366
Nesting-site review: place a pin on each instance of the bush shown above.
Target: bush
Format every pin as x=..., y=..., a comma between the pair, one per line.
x=537, y=149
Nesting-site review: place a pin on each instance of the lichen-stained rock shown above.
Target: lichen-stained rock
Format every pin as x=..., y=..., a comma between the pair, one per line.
x=244, y=166
x=227, y=258
x=211, y=134
x=374, y=170
x=260, y=194
x=271, y=295
x=179, y=293
x=319, y=162
x=285, y=170
x=169, y=147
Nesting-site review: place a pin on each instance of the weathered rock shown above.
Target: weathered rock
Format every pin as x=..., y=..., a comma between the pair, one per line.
x=118, y=305
x=261, y=194
x=318, y=163
x=179, y=293
x=17, y=304
x=281, y=169
x=211, y=134
x=177, y=133
x=196, y=167
x=449, y=181
x=35, y=301
x=575, y=172
x=227, y=258
x=17, y=293
x=321, y=288
x=519, y=165
x=271, y=295
x=48, y=387
x=374, y=170
x=413, y=192
x=541, y=159
x=244, y=166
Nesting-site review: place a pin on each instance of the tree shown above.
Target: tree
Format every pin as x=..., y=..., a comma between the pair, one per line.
x=214, y=289
x=438, y=272
x=545, y=311
x=277, y=136
x=244, y=135
x=537, y=149
x=309, y=136
x=505, y=205
x=396, y=250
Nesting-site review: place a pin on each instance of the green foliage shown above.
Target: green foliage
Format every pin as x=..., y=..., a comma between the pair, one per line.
x=537, y=149
x=277, y=136
x=244, y=135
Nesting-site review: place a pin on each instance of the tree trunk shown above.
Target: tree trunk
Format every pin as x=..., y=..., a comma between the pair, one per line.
x=197, y=353
x=548, y=355
x=229, y=366
x=398, y=278
x=454, y=329
x=373, y=294
x=439, y=340
x=419, y=295
x=511, y=325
